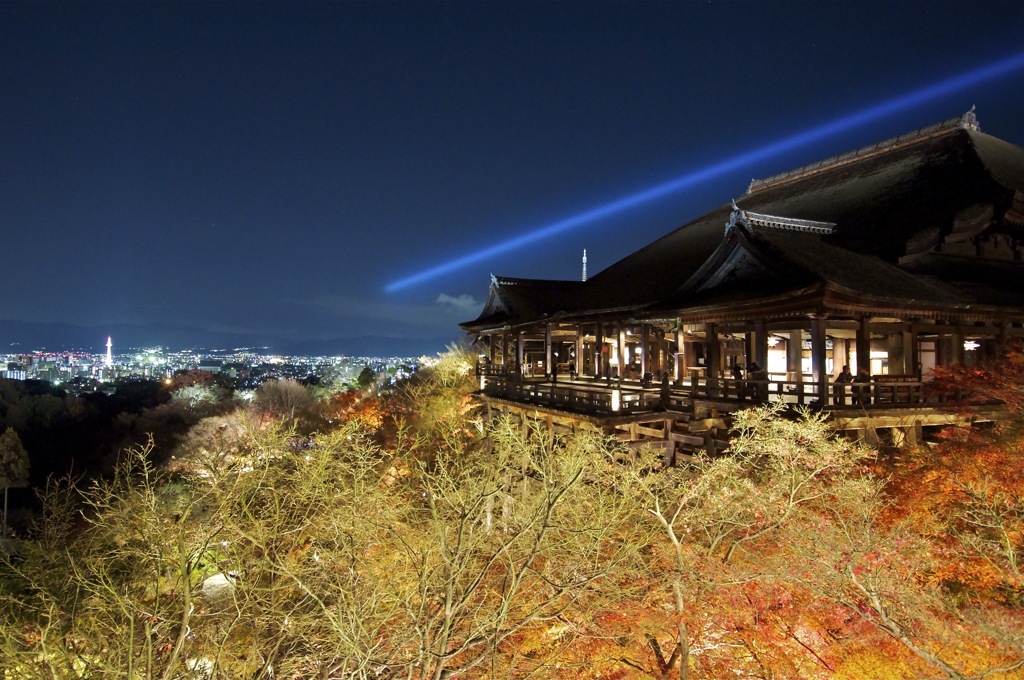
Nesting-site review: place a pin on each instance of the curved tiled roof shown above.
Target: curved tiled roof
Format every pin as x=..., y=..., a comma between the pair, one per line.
x=892, y=203
x=512, y=301
x=878, y=204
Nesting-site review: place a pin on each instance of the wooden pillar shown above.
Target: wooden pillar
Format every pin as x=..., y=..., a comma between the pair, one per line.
x=578, y=359
x=662, y=354
x=913, y=349
x=794, y=356
x=670, y=446
x=714, y=353
x=680, y=352
x=520, y=351
x=761, y=345
x=645, y=349
x=943, y=350
x=598, y=349
x=547, y=349
x=621, y=349
x=819, y=375
x=895, y=352
x=1000, y=340
x=863, y=347
x=713, y=358
x=840, y=356
x=958, y=346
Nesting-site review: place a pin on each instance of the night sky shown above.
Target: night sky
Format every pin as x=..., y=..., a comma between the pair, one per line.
x=272, y=168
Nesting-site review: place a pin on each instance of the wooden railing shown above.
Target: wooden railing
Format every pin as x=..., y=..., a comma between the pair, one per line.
x=883, y=391
x=609, y=397
x=582, y=396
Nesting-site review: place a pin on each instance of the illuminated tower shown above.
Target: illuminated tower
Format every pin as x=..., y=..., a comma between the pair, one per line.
x=110, y=357
x=584, y=264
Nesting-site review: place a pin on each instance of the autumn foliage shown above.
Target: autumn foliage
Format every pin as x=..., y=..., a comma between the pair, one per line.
x=999, y=381
x=405, y=535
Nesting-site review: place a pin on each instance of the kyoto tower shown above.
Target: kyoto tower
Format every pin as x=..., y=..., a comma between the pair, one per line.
x=110, y=357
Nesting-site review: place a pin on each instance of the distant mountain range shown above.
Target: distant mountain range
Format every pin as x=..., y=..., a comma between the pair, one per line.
x=23, y=336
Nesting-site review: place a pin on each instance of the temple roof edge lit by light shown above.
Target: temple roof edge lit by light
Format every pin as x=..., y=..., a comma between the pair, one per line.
x=903, y=215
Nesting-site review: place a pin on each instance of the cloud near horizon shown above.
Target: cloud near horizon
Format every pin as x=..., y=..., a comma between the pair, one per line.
x=463, y=304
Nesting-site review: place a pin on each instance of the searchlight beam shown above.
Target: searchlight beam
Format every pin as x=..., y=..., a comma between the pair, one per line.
x=992, y=71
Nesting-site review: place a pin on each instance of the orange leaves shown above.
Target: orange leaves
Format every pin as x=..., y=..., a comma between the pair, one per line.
x=966, y=493
x=354, y=406
x=190, y=378
x=1000, y=381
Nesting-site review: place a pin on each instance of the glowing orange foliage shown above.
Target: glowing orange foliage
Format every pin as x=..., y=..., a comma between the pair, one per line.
x=967, y=493
x=999, y=381
x=354, y=406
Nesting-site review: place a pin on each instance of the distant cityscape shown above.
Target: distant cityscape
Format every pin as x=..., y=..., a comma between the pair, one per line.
x=243, y=368
x=23, y=337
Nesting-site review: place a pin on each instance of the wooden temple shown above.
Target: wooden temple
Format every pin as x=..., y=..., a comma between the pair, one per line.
x=889, y=260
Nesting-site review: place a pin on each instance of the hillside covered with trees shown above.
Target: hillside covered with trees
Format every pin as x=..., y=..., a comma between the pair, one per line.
x=403, y=535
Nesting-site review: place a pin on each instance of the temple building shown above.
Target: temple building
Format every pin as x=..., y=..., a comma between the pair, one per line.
x=889, y=260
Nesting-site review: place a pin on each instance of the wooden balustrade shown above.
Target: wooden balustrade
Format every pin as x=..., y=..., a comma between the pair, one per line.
x=586, y=395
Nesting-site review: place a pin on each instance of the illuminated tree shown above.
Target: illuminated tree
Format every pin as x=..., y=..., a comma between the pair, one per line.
x=215, y=446
x=105, y=591
x=353, y=404
x=720, y=514
x=434, y=408
x=196, y=396
x=998, y=381
x=454, y=546
x=287, y=399
x=182, y=379
x=531, y=537
x=939, y=565
x=321, y=556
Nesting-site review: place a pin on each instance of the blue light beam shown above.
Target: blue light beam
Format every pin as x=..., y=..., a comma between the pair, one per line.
x=870, y=114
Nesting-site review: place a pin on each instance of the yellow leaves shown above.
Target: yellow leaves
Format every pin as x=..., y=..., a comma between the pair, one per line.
x=876, y=660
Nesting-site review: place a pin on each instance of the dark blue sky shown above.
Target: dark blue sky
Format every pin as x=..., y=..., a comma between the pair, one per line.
x=272, y=167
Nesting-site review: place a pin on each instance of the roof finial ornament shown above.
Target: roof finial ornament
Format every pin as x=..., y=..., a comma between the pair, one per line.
x=969, y=121
x=737, y=218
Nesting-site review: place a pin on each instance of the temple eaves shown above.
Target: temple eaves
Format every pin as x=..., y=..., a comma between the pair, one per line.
x=967, y=121
x=750, y=220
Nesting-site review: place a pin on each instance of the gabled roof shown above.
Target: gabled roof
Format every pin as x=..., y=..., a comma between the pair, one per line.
x=757, y=262
x=739, y=262
x=889, y=203
x=512, y=301
x=913, y=194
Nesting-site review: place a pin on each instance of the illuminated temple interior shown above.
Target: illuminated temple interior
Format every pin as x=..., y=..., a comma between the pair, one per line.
x=891, y=259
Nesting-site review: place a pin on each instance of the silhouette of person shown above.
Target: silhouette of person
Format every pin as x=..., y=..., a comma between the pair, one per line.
x=861, y=391
x=758, y=374
x=737, y=375
x=839, y=391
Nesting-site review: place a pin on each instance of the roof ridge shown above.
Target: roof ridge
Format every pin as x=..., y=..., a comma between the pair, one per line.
x=765, y=221
x=966, y=121
x=517, y=281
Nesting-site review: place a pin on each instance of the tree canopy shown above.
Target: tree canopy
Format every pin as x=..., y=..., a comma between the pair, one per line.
x=14, y=463
x=406, y=535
